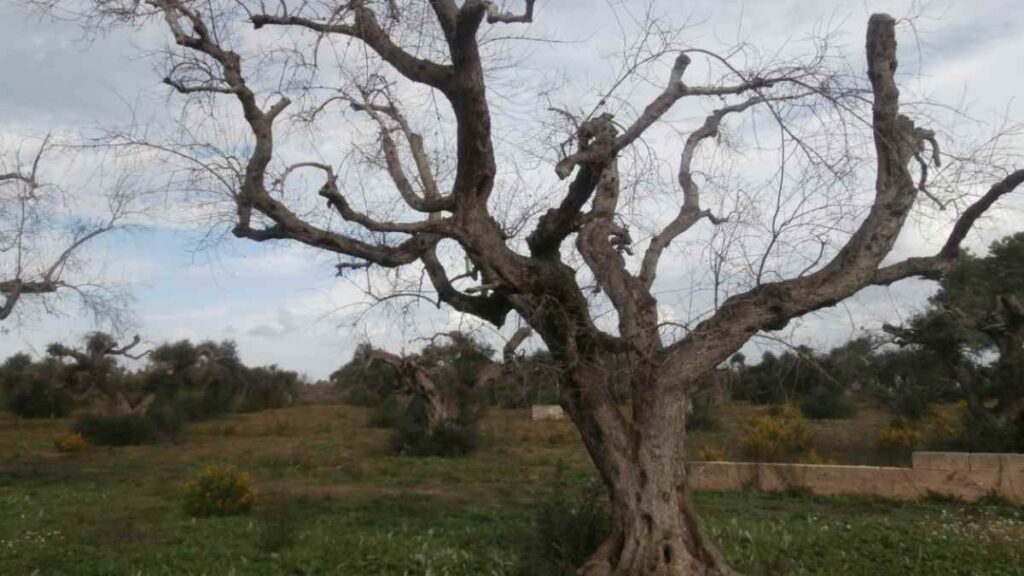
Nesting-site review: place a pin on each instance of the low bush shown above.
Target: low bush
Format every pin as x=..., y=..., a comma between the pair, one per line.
x=70, y=443
x=128, y=430
x=570, y=523
x=386, y=414
x=219, y=491
x=779, y=434
x=163, y=421
x=448, y=439
x=826, y=403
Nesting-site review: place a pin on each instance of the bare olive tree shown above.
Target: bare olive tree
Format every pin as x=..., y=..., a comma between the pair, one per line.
x=92, y=371
x=417, y=380
x=394, y=64
x=43, y=239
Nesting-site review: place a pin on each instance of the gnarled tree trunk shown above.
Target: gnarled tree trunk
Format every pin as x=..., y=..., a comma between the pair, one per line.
x=439, y=408
x=419, y=383
x=656, y=530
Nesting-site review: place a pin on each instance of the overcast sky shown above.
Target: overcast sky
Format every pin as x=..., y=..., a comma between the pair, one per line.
x=283, y=305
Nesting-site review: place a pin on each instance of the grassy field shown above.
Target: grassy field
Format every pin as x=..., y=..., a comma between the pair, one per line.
x=332, y=501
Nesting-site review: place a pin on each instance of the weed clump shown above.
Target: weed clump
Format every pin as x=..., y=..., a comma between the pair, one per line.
x=219, y=491
x=127, y=430
x=450, y=438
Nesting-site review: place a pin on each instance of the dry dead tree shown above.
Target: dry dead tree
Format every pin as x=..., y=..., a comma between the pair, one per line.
x=437, y=48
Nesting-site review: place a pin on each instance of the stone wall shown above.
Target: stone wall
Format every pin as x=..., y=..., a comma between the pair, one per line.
x=962, y=475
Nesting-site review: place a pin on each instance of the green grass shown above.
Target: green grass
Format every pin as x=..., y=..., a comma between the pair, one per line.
x=333, y=502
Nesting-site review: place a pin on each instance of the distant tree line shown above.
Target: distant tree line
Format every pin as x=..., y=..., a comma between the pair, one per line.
x=180, y=382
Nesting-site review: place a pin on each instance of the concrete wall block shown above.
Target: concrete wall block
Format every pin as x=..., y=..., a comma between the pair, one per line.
x=1013, y=464
x=966, y=476
x=942, y=461
x=985, y=462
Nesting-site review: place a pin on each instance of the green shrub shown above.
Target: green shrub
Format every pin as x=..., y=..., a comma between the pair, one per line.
x=826, y=403
x=128, y=430
x=570, y=523
x=219, y=491
x=448, y=439
x=386, y=414
x=162, y=422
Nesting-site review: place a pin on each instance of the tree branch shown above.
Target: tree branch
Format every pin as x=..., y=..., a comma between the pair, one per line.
x=690, y=213
x=770, y=306
x=673, y=92
x=495, y=15
x=367, y=29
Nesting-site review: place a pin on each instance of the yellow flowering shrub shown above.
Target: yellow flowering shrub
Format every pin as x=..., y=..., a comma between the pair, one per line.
x=779, y=434
x=900, y=435
x=219, y=491
x=70, y=443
